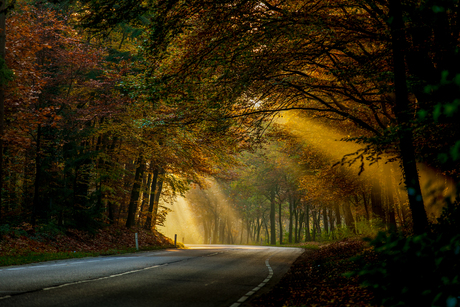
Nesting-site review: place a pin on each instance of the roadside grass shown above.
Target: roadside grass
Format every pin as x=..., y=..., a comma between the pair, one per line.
x=34, y=257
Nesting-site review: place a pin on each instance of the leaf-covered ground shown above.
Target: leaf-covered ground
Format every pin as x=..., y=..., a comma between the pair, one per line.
x=19, y=246
x=316, y=280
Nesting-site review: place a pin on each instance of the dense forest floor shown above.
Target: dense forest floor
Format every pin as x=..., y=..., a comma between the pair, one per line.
x=316, y=279
x=22, y=245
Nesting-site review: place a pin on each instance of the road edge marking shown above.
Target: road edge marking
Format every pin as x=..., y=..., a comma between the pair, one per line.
x=260, y=286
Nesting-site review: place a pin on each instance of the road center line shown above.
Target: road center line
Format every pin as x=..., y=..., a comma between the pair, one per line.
x=96, y=279
x=102, y=278
x=247, y=295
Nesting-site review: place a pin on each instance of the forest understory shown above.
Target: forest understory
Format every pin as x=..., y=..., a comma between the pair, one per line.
x=22, y=245
x=316, y=279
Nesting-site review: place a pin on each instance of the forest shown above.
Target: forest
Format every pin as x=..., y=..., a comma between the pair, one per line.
x=272, y=122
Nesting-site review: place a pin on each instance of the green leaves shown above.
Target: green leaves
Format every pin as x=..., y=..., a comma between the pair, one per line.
x=421, y=270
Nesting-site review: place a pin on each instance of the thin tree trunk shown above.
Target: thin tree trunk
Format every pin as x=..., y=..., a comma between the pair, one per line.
x=307, y=224
x=280, y=223
x=145, y=197
x=3, y=6
x=153, y=188
x=135, y=192
x=157, y=197
x=349, y=220
x=272, y=218
x=291, y=213
x=338, y=218
x=376, y=202
x=299, y=236
x=402, y=112
x=325, y=221
x=366, y=207
x=37, y=208
x=315, y=225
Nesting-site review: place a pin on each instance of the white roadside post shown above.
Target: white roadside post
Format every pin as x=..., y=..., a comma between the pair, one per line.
x=137, y=243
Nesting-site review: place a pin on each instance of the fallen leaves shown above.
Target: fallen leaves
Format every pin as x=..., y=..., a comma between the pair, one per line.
x=104, y=240
x=316, y=279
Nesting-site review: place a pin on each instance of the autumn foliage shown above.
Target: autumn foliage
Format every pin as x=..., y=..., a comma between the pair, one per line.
x=17, y=242
x=317, y=279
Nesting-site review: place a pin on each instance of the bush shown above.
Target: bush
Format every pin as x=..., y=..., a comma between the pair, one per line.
x=421, y=270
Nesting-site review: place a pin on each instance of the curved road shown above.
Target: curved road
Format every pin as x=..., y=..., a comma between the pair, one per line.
x=202, y=275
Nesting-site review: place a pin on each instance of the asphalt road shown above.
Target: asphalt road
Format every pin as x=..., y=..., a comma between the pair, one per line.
x=203, y=275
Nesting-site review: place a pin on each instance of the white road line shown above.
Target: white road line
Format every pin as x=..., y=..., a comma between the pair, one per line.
x=262, y=284
x=96, y=279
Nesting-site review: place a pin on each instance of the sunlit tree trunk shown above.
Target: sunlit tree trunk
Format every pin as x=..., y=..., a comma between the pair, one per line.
x=145, y=197
x=158, y=191
x=315, y=224
x=280, y=222
x=338, y=218
x=365, y=204
x=307, y=224
x=331, y=221
x=376, y=202
x=411, y=179
x=325, y=221
x=299, y=236
x=135, y=192
x=349, y=220
x=272, y=218
x=267, y=233
x=291, y=213
x=391, y=199
x=153, y=188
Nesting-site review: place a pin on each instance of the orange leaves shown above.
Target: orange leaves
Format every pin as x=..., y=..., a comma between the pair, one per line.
x=316, y=279
x=110, y=238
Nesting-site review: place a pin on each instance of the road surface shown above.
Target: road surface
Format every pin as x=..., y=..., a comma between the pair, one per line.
x=202, y=275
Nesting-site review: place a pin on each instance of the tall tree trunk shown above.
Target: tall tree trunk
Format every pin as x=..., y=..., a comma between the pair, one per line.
x=135, y=192
x=291, y=213
x=366, y=207
x=325, y=221
x=391, y=199
x=299, y=236
x=161, y=179
x=307, y=224
x=36, y=207
x=153, y=188
x=331, y=221
x=315, y=224
x=3, y=6
x=280, y=221
x=145, y=197
x=376, y=202
x=272, y=218
x=267, y=233
x=338, y=218
x=402, y=112
x=296, y=226
x=216, y=230
x=349, y=220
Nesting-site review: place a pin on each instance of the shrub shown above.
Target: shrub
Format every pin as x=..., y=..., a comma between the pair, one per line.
x=421, y=270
